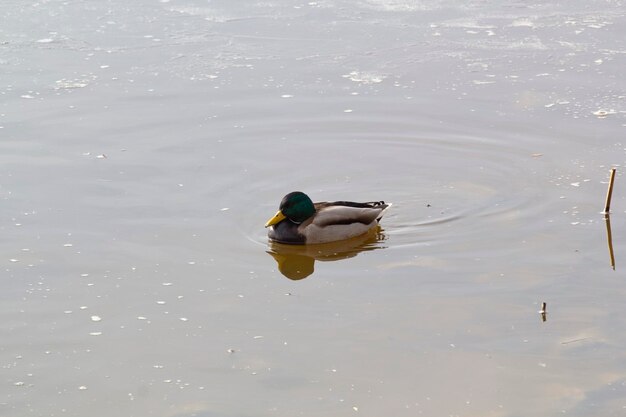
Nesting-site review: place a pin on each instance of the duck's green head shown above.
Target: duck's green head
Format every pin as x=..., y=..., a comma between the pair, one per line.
x=295, y=206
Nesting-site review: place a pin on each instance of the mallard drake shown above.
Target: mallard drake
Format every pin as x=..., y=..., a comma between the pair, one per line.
x=300, y=221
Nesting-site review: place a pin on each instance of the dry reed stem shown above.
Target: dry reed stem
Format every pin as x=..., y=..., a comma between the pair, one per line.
x=609, y=194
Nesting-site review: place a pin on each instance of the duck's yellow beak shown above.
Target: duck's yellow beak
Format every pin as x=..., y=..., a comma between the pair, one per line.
x=276, y=219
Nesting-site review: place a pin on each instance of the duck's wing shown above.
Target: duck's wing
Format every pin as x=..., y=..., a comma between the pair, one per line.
x=348, y=212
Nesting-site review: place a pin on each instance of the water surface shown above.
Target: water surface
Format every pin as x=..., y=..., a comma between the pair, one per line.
x=143, y=145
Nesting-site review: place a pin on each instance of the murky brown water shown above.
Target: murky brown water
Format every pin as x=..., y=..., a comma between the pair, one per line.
x=143, y=145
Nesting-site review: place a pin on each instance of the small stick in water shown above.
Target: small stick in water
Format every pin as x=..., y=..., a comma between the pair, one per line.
x=543, y=312
x=607, y=205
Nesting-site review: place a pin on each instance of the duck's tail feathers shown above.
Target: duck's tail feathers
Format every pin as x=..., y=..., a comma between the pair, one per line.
x=385, y=208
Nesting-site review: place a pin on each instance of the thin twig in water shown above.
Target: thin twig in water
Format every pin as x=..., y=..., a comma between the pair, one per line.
x=607, y=205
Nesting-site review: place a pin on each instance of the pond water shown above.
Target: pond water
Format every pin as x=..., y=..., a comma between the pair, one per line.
x=144, y=144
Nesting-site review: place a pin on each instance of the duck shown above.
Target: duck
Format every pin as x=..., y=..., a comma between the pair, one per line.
x=299, y=221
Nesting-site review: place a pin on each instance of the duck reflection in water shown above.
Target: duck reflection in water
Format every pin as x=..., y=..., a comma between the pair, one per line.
x=298, y=261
